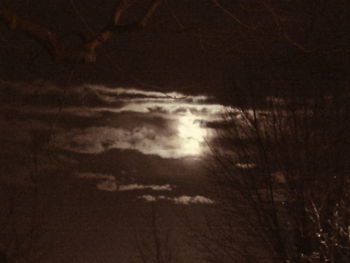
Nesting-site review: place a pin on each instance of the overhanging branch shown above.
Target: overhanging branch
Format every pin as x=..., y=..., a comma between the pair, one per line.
x=86, y=52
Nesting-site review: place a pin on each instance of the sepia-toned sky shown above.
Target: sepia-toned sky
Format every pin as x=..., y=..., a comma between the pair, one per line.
x=187, y=44
x=107, y=142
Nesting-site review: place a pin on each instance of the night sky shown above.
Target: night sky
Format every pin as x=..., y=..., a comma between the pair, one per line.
x=95, y=148
x=187, y=43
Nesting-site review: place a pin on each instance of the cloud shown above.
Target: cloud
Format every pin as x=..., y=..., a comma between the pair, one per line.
x=180, y=200
x=245, y=165
x=168, y=107
x=187, y=200
x=17, y=129
x=132, y=93
x=131, y=187
x=109, y=183
x=95, y=176
x=49, y=95
x=148, y=140
x=167, y=124
x=148, y=198
x=120, y=98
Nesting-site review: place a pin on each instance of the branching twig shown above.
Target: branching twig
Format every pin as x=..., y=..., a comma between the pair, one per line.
x=87, y=51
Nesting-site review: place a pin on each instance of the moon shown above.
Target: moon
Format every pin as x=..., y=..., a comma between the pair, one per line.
x=191, y=134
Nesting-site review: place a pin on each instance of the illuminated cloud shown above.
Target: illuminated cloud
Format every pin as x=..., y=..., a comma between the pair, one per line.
x=131, y=187
x=187, y=200
x=148, y=140
x=148, y=198
x=245, y=165
x=167, y=124
x=168, y=107
x=180, y=200
x=109, y=183
x=44, y=93
x=95, y=176
x=106, y=182
x=129, y=92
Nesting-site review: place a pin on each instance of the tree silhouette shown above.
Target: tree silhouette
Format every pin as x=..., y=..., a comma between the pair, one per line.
x=280, y=171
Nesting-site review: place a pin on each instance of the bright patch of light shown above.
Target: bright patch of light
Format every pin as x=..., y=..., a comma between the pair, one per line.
x=191, y=134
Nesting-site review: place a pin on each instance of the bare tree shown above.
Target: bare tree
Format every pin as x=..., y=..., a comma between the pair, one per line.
x=268, y=26
x=258, y=27
x=23, y=232
x=282, y=153
x=281, y=174
x=155, y=246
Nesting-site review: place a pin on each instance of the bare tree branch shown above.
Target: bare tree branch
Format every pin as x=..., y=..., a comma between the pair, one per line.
x=152, y=8
x=232, y=15
x=87, y=51
x=283, y=31
x=39, y=33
